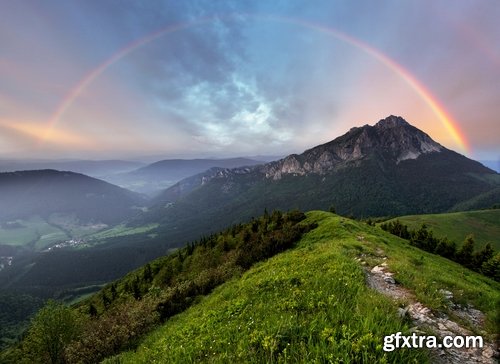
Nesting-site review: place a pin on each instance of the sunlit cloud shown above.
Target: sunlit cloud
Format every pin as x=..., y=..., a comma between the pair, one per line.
x=40, y=135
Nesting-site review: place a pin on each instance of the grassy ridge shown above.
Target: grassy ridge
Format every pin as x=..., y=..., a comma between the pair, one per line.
x=483, y=224
x=311, y=304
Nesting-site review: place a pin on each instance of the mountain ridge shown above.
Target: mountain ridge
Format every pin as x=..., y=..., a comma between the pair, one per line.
x=395, y=136
x=388, y=148
x=47, y=191
x=155, y=177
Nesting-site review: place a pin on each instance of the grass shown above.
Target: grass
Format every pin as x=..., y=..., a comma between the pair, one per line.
x=73, y=296
x=38, y=234
x=311, y=304
x=483, y=224
x=122, y=230
x=34, y=231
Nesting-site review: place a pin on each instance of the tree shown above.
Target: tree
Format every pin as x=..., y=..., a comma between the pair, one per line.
x=92, y=310
x=491, y=268
x=464, y=254
x=136, y=290
x=105, y=300
x=483, y=256
x=445, y=248
x=114, y=294
x=52, y=329
x=423, y=239
x=148, y=274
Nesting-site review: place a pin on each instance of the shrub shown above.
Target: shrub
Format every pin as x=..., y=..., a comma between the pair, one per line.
x=52, y=329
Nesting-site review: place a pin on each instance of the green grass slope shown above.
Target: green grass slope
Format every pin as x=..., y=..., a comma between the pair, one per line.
x=312, y=303
x=483, y=224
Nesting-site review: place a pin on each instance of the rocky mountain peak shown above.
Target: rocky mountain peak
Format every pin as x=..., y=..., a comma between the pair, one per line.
x=401, y=141
x=391, y=122
x=392, y=140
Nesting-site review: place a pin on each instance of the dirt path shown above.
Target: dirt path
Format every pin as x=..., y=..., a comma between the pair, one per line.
x=425, y=320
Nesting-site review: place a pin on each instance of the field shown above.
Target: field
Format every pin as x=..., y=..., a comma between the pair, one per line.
x=34, y=232
x=37, y=233
x=483, y=224
x=121, y=230
x=312, y=303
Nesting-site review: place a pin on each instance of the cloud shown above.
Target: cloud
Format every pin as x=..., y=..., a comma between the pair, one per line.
x=37, y=133
x=226, y=82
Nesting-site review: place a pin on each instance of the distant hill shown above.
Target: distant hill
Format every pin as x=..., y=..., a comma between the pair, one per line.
x=45, y=192
x=484, y=225
x=483, y=200
x=157, y=176
x=93, y=168
x=391, y=168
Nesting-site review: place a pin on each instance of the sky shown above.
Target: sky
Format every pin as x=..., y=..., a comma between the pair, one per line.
x=120, y=79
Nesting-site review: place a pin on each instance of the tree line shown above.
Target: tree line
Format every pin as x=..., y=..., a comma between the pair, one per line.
x=485, y=261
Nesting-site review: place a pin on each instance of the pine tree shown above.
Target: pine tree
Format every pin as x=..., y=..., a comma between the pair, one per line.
x=92, y=310
x=464, y=254
x=445, y=248
x=483, y=256
x=491, y=268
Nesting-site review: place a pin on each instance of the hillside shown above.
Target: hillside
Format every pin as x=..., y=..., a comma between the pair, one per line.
x=332, y=295
x=484, y=225
x=484, y=200
x=42, y=208
x=45, y=192
x=155, y=177
x=94, y=168
x=313, y=303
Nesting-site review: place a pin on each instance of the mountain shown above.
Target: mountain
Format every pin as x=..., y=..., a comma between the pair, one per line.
x=91, y=168
x=391, y=168
x=45, y=192
x=157, y=176
x=488, y=199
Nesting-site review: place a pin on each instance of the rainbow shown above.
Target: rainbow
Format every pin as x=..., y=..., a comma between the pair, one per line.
x=73, y=94
x=448, y=122
x=438, y=109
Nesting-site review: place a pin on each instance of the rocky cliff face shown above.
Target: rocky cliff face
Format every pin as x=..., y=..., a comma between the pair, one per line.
x=392, y=139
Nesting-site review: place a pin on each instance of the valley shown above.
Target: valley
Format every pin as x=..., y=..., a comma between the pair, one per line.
x=38, y=233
